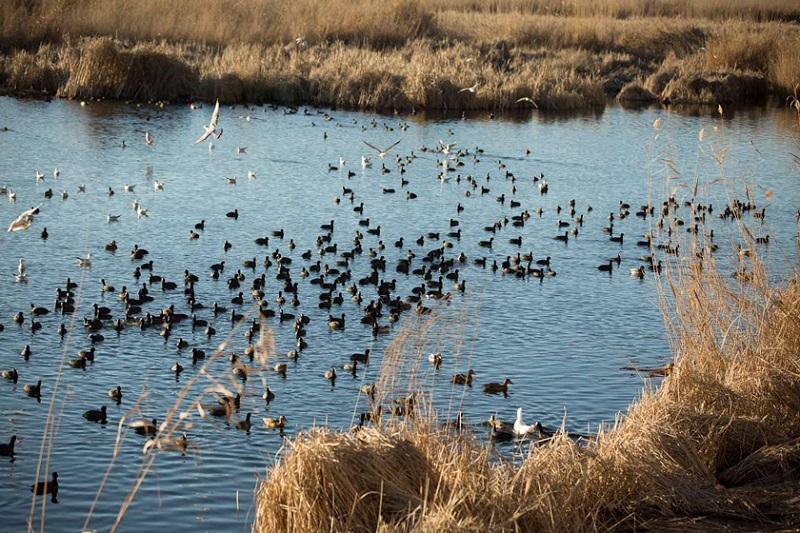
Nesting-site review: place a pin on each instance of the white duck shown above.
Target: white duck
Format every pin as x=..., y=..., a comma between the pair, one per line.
x=520, y=427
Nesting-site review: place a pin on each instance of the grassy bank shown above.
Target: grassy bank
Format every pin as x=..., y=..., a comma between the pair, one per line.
x=716, y=446
x=403, y=54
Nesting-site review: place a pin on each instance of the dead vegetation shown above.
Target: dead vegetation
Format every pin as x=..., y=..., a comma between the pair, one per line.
x=404, y=54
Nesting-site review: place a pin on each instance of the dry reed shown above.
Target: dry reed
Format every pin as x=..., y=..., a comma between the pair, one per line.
x=404, y=54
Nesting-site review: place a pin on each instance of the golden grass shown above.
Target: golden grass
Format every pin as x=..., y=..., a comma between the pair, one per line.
x=716, y=444
x=401, y=54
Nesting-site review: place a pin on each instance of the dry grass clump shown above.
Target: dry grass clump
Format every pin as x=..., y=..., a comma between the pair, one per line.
x=718, y=443
x=107, y=69
x=41, y=71
x=636, y=93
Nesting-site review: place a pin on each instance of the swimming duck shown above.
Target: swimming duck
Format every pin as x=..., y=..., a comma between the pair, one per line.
x=275, y=423
x=500, y=431
x=463, y=379
x=336, y=323
x=115, y=393
x=520, y=428
x=244, y=425
x=94, y=415
x=46, y=487
x=143, y=427
x=33, y=390
x=494, y=388
x=12, y=374
x=268, y=395
x=7, y=450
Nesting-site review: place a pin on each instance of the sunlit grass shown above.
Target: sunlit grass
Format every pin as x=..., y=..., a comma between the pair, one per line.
x=402, y=54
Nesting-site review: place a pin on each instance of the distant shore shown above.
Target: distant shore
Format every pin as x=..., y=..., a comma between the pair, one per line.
x=404, y=55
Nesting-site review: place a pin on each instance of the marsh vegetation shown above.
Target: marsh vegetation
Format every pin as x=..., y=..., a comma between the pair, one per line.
x=403, y=54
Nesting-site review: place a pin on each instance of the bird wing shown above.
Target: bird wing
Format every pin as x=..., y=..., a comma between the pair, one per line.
x=30, y=212
x=19, y=224
x=215, y=116
x=204, y=136
x=373, y=147
x=393, y=145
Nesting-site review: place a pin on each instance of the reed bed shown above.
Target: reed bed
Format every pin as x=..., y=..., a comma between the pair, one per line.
x=402, y=54
x=715, y=446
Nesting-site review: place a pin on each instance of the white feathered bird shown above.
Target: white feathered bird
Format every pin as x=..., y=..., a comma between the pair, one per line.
x=211, y=129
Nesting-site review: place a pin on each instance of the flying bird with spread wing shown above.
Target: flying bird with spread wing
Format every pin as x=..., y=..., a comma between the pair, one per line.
x=382, y=153
x=211, y=129
x=23, y=221
x=472, y=89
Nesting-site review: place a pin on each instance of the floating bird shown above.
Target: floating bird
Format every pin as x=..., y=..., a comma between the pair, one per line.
x=148, y=139
x=116, y=394
x=463, y=379
x=95, y=415
x=85, y=261
x=244, y=425
x=7, y=450
x=275, y=423
x=494, y=388
x=142, y=427
x=521, y=428
x=46, y=487
x=211, y=129
x=33, y=390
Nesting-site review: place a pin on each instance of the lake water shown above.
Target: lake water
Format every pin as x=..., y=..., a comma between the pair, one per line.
x=562, y=340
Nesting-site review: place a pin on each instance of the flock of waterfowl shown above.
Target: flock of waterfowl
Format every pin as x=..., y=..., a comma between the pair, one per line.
x=367, y=279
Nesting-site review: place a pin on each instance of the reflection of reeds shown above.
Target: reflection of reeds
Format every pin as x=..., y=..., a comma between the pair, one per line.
x=403, y=54
x=716, y=442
